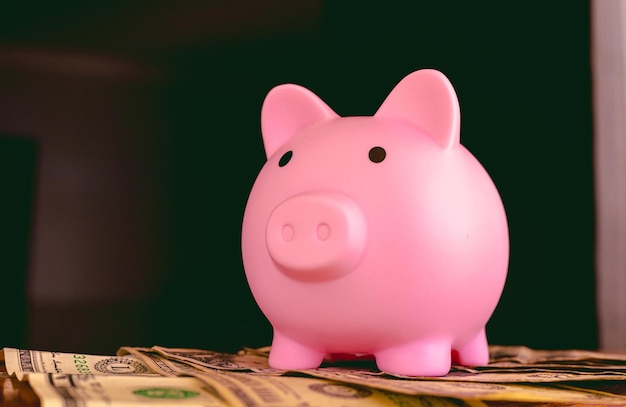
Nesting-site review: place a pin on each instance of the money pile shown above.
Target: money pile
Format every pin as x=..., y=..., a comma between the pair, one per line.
x=160, y=375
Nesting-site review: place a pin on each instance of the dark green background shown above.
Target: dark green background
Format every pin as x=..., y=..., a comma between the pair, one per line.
x=522, y=74
x=18, y=172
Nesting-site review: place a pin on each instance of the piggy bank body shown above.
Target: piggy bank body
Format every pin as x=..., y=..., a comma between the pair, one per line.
x=378, y=235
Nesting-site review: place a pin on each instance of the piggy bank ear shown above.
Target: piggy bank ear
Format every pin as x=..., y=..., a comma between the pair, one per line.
x=287, y=110
x=426, y=100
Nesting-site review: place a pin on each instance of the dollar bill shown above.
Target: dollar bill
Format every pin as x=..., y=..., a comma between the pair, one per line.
x=222, y=389
x=253, y=389
x=247, y=376
x=20, y=361
x=517, y=392
x=218, y=360
x=425, y=387
x=70, y=390
x=158, y=363
x=500, y=370
x=522, y=355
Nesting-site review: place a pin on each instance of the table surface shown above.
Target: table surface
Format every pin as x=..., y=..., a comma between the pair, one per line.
x=15, y=393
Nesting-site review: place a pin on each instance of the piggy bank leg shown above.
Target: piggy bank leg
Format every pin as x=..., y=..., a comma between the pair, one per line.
x=423, y=358
x=473, y=353
x=287, y=354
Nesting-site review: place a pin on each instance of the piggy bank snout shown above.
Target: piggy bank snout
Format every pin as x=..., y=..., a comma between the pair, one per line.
x=316, y=236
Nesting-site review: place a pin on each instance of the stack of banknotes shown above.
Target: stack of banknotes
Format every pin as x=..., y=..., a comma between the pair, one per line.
x=173, y=376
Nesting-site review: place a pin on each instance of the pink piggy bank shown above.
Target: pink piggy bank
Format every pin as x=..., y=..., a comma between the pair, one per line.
x=378, y=235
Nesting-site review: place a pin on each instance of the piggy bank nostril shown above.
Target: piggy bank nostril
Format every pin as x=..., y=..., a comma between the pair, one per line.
x=287, y=232
x=323, y=231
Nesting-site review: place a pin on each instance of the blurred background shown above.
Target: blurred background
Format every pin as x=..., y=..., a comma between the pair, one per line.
x=130, y=138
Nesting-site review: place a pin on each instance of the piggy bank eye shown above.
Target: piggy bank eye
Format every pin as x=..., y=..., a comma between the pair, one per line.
x=285, y=158
x=377, y=154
